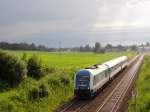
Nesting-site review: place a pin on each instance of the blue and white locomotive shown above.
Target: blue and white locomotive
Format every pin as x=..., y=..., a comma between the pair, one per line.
x=89, y=80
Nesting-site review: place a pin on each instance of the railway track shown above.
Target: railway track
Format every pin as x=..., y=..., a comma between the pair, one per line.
x=111, y=98
x=113, y=101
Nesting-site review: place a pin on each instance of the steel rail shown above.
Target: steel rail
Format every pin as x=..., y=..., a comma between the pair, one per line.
x=111, y=102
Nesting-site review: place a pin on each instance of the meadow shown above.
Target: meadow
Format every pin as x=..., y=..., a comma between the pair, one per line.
x=71, y=59
x=141, y=102
x=59, y=83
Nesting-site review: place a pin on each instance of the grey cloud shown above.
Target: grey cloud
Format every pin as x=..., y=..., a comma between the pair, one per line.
x=38, y=27
x=69, y=21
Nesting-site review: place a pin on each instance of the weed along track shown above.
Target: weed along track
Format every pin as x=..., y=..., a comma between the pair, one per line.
x=111, y=98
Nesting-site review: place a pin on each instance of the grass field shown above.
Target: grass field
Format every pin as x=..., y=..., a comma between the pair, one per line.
x=141, y=103
x=71, y=60
x=60, y=91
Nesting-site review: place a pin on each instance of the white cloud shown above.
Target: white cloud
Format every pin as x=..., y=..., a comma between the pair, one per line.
x=123, y=14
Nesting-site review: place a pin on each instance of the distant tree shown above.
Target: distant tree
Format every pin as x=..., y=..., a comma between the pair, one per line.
x=108, y=47
x=97, y=48
x=147, y=44
x=142, y=45
x=33, y=46
x=41, y=47
x=24, y=46
x=121, y=48
x=81, y=49
x=87, y=47
x=134, y=48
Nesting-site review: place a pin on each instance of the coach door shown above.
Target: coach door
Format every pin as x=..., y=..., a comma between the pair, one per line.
x=107, y=72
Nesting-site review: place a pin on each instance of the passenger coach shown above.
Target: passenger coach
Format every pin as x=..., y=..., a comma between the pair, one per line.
x=89, y=80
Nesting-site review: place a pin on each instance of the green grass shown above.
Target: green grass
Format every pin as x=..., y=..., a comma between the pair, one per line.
x=17, y=99
x=142, y=101
x=72, y=59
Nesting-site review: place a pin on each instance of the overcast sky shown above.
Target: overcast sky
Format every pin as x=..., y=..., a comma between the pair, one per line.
x=75, y=22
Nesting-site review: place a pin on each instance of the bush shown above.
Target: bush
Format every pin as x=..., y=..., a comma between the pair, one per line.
x=4, y=86
x=24, y=57
x=36, y=93
x=49, y=70
x=54, y=82
x=12, y=69
x=65, y=80
x=34, y=67
x=43, y=92
x=6, y=106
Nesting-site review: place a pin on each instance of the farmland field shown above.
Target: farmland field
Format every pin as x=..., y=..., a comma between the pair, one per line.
x=59, y=83
x=71, y=59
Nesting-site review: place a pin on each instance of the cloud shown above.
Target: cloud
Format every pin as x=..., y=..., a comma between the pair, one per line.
x=73, y=21
x=124, y=15
x=38, y=27
x=135, y=2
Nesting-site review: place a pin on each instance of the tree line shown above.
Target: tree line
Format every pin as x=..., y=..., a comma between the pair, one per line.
x=24, y=46
x=97, y=48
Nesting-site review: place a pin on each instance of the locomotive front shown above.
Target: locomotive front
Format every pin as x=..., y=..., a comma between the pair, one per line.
x=82, y=84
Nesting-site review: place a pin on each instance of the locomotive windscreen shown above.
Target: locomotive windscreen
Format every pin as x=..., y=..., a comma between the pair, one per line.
x=83, y=77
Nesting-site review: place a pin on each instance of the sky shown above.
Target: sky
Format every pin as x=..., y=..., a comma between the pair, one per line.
x=75, y=22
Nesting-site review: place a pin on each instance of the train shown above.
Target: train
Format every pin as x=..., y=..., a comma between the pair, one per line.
x=88, y=81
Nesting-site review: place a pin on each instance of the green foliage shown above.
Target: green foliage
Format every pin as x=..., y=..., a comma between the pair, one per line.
x=7, y=107
x=54, y=82
x=43, y=91
x=97, y=48
x=12, y=69
x=65, y=80
x=55, y=88
x=33, y=94
x=142, y=101
x=24, y=57
x=49, y=69
x=34, y=67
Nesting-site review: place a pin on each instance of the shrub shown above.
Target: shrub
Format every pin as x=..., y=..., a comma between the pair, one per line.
x=34, y=67
x=4, y=86
x=24, y=57
x=147, y=77
x=54, y=82
x=12, y=69
x=49, y=70
x=43, y=92
x=39, y=92
x=6, y=106
x=65, y=80
x=33, y=94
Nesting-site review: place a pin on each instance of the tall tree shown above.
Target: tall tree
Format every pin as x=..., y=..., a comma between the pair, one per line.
x=134, y=48
x=87, y=47
x=147, y=44
x=97, y=48
x=108, y=46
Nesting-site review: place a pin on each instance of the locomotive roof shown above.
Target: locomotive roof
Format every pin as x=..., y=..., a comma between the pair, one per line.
x=99, y=69
x=116, y=61
x=95, y=69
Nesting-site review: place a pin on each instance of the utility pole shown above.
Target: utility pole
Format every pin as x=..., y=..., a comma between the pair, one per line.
x=59, y=49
